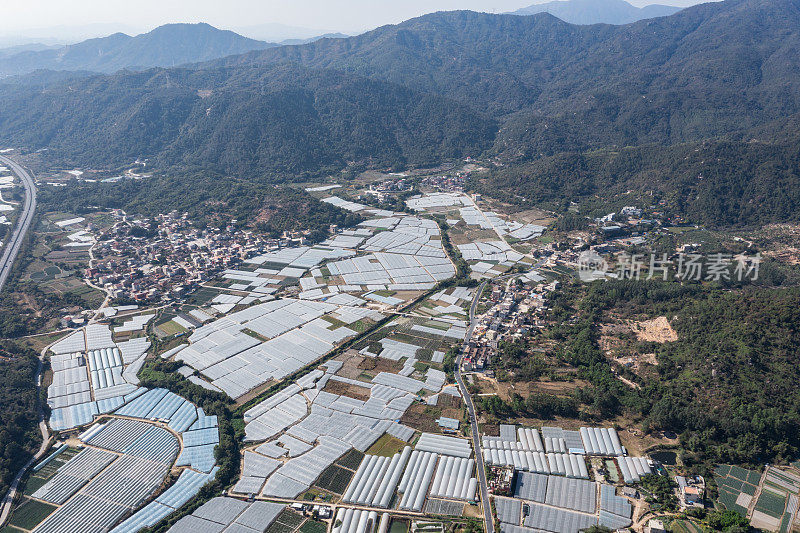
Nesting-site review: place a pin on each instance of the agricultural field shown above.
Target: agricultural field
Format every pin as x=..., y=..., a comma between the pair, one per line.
x=286, y=522
x=684, y=526
x=387, y=446
x=334, y=479
x=406, y=330
x=351, y=460
x=169, y=328
x=769, y=501
x=201, y=296
x=43, y=475
x=736, y=487
x=51, y=283
x=313, y=526
x=29, y=514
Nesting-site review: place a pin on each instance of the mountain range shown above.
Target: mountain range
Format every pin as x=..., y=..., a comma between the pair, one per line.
x=165, y=46
x=273, y=32
x=709, y=70
x=598, y=11
x=30, y=47
x=441, y=86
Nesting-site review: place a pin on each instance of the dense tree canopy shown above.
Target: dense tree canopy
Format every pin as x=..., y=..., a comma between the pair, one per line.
x=726, y=385
x=207, y=198
x=19, y=434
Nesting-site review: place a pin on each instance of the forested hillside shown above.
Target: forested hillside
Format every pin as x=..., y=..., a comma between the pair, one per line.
x=19, y=434
x=208, y=199
x=726, y=383
x=718, y=184
x=247, y=121
x=556, y=104
x=709, y=70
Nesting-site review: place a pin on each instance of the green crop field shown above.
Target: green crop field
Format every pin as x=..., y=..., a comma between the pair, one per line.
x=786, y=525
x=287, y=521
x=754, y=478
x=334, y=479
x=386, y=446
x=733, y=481
x=739, y=473
x=312, y=526
x=30, y=514
x=771, y=503
x=351, y=460
x=201, y=296
x=170, y=328
x=685, y=526
x=728, y=499
x=747, y=488
x=37, y=479
x=34, y=483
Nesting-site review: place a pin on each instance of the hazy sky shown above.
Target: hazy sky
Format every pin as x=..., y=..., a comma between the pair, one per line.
x=350, y=16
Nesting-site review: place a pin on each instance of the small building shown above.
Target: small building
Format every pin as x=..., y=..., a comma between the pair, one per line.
x=692, y=490
x=500, y=480
x=630, y=492
x=692, y=496
x=655, y=526
x=322, y=511
x=611, y=230
x=446, y=423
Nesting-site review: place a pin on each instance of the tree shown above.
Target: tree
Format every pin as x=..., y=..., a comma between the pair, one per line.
x=728, y=520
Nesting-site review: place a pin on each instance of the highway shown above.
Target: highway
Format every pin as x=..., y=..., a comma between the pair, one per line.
x=10, y=252
x=473, y=419
x=14, y=243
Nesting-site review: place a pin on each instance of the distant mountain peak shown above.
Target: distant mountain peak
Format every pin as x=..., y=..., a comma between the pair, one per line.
x=165, y=46
x=598, y=11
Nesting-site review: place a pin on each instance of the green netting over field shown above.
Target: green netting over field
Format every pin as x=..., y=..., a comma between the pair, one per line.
x=747, y=488
x=771, y=503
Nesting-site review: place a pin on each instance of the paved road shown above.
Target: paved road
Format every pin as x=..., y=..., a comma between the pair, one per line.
x=10, y=252
x=476, y=439
x=13, y=245
x=473, y=419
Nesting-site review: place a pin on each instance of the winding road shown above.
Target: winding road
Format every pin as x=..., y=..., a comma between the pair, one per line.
x=14, y=243
x=473, y=419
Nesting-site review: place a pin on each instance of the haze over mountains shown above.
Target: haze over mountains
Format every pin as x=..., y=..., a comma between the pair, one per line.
x=440, y=86
x=282, y=34
x=165, y=46
x=178, y=44
x=598, y=11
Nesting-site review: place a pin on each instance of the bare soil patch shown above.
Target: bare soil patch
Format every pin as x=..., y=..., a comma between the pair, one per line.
x=468, y=236
x=534, y=216
x=422, y=417
x=351, y=359
x=505, y=389
x=620, y=340
x=379, y=364
x=347, y=389
x=655, y=330
x=254, y=393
